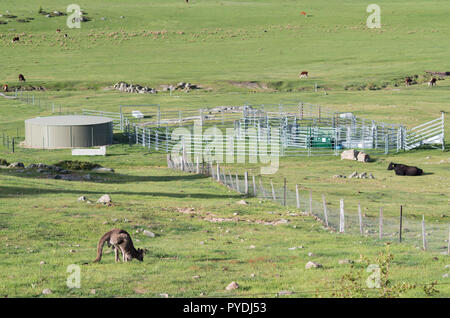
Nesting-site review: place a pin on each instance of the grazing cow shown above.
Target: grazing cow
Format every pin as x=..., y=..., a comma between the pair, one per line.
x=21, y=78
x=404, y=170
x=15, y=39
x=432, y=82
x=5, y=88
x=304, y=74
x=408, y=81
x=303, y=13
x=58, y=30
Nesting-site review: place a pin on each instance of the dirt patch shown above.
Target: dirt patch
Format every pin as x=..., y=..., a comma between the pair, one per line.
x=210, y=217
x=250, y=85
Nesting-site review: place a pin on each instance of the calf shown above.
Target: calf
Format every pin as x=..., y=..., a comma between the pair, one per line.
x=21, y=78
x=432, y=82
x=404, y=170
x=304, y=74
x=15, y=39
x=5, y=88
x=408, y=81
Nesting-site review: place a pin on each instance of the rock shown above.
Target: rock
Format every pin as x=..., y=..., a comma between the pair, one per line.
x=445, y=275
x=115, y=220
x=243, y=202
x=104, y=199
x=232, y=285
x=284, y=292
x=350, y=154
x=164, y=295
x=47, y=291
x=345, y=261
x=93, y=291
x=148, y=233
x=102, y=169
x=447, y=266
x=353, y=175
x=311, y=254
x=42, y=263
x=16, y=165
x=310, y=265
x=252, y=246
x=363, y=157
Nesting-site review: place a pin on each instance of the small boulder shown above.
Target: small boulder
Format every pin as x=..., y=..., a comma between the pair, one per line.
x=345, y=261
x=148, y=233
x=104, y=199
x=47, y=291
x=242, y=202
x=232, y=285
x=310, y=265
x=350, y=154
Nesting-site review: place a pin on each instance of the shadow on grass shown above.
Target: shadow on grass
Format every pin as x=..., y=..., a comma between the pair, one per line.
x=15, y=192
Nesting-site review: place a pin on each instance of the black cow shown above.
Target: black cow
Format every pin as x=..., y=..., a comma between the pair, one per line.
x=21, y=78
x=404, y=170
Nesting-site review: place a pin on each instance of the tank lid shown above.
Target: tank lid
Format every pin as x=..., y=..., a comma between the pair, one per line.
x=69, y=120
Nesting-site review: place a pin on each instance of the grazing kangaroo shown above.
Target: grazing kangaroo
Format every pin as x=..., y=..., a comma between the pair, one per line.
x=119, y=239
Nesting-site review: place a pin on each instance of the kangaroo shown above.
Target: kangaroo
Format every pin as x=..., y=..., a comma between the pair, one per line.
x=119, y=239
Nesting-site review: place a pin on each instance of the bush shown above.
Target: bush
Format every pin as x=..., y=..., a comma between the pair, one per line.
x=77, y=165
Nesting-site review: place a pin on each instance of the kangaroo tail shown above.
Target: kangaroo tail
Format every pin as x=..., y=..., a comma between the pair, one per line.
x=100, y=244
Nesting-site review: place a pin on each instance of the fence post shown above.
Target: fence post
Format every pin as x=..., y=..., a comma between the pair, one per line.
x=273, y=191
x=381, y=223
x=360, y=219
x=297, y=197
x=262, y=189
x=284, y=192
x=246, y=182
x=325, y=209
x=424, y=239
x=341, y=217
x=254, y=187
x=401, y=224
x=198, y=165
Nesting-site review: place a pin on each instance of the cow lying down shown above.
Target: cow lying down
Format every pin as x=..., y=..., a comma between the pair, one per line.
x=404, y=170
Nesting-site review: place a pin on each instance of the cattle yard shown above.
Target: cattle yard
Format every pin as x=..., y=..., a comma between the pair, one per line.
x=302, y=129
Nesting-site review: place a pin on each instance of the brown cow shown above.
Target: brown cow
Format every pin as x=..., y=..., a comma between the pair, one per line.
x=5, y=88
x=304, y=74
x=432, y=82
x=21, y=78
x=408, y=81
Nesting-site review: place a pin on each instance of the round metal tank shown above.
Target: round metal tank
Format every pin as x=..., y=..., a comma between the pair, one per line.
x=71, y=131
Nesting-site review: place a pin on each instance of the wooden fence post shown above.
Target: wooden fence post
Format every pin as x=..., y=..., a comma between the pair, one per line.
x=246, y=182
x=424, y=239
x=273, y=191
x=325, y=209
x=401, y=224
x=380, y=227
x=360, y=219
x=297, y=196
x=341, y=217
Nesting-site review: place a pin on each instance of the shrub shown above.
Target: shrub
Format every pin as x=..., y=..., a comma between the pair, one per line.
x=77, y=165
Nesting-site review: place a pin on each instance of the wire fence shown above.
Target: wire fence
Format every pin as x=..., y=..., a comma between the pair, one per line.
x=347, y=220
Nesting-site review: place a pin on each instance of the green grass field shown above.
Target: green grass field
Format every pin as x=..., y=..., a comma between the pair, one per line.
x=215, y=44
